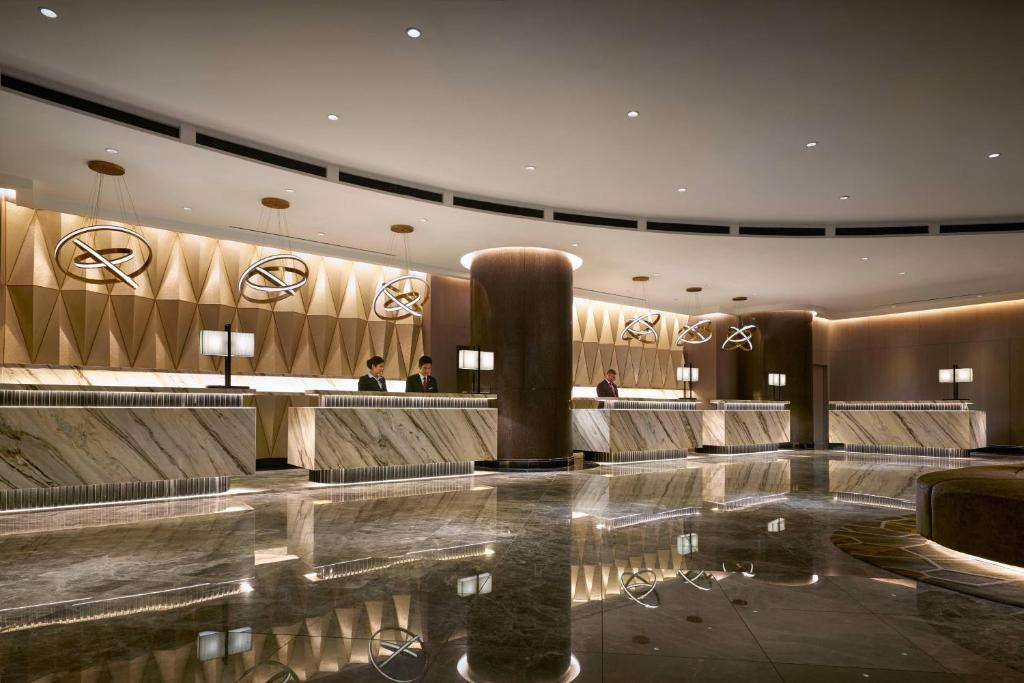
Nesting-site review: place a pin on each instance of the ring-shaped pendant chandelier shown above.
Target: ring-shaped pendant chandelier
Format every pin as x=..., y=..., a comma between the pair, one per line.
x=740, y=338
x=277, y=275
x=402, y=296
x=642, y=327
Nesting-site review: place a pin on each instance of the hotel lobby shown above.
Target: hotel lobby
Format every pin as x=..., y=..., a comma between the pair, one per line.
x=511, y=342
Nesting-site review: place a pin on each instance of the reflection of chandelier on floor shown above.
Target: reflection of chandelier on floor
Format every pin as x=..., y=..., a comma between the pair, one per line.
x=404, y=295
x=108, y=249
x=694, y=332
x=276, y=275
x=643, y=326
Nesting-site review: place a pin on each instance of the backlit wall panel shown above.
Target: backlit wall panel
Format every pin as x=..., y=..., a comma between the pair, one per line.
x=51, y=317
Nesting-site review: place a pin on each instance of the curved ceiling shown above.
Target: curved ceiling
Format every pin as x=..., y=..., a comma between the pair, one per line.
x=906, y=99
x=904, y=104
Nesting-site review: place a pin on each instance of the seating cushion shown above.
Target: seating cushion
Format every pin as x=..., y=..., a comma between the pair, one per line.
x=981, y=517
x=926, y=482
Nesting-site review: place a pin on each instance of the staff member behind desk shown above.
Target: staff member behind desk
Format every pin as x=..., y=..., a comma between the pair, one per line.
x=422, y=382
x=375, y=380
x=607, y=388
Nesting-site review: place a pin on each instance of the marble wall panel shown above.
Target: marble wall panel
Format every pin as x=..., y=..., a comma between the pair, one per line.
x=961, y=429
x=339, y=438
x=45, y=447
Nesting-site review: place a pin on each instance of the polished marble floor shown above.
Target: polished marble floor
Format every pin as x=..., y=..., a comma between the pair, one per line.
x=705, y=569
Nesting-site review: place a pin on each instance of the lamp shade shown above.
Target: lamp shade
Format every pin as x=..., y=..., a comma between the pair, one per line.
x=471, y=359
x=486, y=360
x=215, y=343
x=776, y=379
x=687, y=373
x=946, y=376
x=964, y=375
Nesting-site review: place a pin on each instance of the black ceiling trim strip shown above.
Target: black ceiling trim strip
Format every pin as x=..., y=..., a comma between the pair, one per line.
x=595, y=220
x=783, y=232
x=497, y=207
x=260, y=155
x=88, y=106
x=872, y=231
x=692, y=228
x=981, y=227
x=392, y=188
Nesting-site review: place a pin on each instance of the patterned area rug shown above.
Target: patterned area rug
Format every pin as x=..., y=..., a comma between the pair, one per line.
x=895, y=545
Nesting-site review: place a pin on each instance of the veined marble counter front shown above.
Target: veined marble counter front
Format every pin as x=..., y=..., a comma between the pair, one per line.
x=331, y=439
x=884, y=430
x=635, y=431
x=741, y=428
x=45, y=448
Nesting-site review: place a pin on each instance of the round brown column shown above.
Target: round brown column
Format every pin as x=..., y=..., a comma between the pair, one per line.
x=521, y=308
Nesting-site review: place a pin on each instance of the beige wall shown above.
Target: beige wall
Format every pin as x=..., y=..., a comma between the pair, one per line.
x=898, y=357
x=56, y=314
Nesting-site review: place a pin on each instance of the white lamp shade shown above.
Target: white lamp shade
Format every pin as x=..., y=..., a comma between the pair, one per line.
x=946, y=376
x=776, y=379
x=964, y=375
x=687, y=374
x=215, y=343
x=471, y=359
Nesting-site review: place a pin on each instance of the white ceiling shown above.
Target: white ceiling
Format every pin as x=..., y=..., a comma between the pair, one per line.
x=906, y=100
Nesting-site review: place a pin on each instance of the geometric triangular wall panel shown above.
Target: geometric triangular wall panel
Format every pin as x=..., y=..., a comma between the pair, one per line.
x=50, y=314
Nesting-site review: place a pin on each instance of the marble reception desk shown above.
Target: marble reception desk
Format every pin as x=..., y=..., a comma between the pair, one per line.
x=937, y=428
x=363, y=437
x=89, y=445
x=735, y=426
x=634, y=430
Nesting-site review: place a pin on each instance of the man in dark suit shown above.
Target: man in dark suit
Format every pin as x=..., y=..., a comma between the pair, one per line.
x=608, y=388
x=422, y=382
x=374, y=381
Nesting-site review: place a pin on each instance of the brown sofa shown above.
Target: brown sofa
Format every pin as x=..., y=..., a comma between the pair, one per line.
x=976, y=510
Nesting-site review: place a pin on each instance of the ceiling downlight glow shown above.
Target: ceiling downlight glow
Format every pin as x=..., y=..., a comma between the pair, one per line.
x=413, y=32
x=111, y=150
x=48, y=13
x=332, y=117
x=994, y=155
x=632, y=113
x=844, y=197
x=812, y=144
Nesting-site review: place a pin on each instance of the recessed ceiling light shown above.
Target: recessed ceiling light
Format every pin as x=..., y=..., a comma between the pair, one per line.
x=48, y=13
x=865, y=258
x=680, y=189
x=812, y=143
x=423, y=220
x=530, y=168
x=320, y=234
x=575, y=244
x=186, y=208
x=289, y=190
x=844, y=197
x=413, y=32
x=111, y=150
x=632, y=113
x=994, y=155
x=901, y=273
x=332, y=117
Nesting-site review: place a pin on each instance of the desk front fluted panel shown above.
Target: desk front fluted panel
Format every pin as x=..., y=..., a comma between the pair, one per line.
x=938, y=428
x=73, y=455
x=360, y=444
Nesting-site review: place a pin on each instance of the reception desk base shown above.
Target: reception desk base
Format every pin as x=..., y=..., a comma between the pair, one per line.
x=737, y=427
x=945, y=429
x=119, y=492
x=634, y=435
x=364, y=475
x=355, y=445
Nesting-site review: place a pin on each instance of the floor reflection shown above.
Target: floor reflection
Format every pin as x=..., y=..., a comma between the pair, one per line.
x=710, y=568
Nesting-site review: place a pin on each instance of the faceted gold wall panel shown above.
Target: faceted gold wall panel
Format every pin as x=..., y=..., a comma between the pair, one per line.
x=597, y=345
x=51, y=317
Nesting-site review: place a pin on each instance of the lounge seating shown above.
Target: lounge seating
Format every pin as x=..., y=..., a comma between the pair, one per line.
x=975, y=510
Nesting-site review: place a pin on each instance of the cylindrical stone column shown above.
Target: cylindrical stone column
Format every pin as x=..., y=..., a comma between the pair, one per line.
x=521, y=308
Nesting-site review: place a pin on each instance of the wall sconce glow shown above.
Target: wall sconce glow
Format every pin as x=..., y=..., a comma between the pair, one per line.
x=776, y=379
x=215, y=343
x=472, y=359
x=687, y=373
